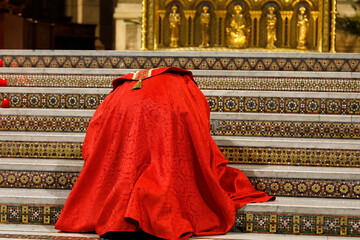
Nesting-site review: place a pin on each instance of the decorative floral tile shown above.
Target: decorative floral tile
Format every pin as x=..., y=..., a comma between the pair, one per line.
x=292, y=156
x=52, y=150
x=284, y=129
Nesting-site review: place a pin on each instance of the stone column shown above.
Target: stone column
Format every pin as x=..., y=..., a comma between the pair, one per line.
x=127, y=32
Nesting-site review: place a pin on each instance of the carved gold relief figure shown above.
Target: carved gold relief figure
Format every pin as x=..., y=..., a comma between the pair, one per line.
x=237, y=32
x=302, y=29
x=205, y=27
x=271, y=28
x=175, y=20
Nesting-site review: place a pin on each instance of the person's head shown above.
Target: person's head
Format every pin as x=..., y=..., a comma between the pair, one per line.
x=271, y=9
x=174, y=8
x=302, y=10
x=205, y=9
x=238, y=9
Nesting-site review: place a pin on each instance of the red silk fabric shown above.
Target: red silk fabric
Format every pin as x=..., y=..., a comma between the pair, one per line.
x=151, y=164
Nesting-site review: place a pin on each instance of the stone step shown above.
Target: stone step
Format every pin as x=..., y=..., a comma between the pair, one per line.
x=283, y=216
x=30, y=231
x=291, y=181
x=204, y=60
x=221, y=124
x=334, y=103
x=239, y=150
x=206, y=80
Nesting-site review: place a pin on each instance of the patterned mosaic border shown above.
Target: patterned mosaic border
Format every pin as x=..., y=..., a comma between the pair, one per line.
x=37, y=179
x=324, y=188
x=246, y=222
x=216, y=103
x=217, y=127
x=297, y=224
x=52, y=150
x=188, y=62
x=32, y=214
x=204, y=82
x=292, y=156
x=285, y=129
x=235, y=155
x=52, y=124
x=43, y=100
x=284, y=105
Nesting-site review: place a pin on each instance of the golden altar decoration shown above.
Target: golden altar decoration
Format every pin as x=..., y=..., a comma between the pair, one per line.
x=228, y=25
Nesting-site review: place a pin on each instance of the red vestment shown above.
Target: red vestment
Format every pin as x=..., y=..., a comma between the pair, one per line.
x=151, y=164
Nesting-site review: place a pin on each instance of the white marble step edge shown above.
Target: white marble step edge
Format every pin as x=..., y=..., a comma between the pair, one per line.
x=343, y=207
x=280, y=142
x=196, y=73
x=224, y=93
x=49, y=230
x=213, y=115
x=250, y=170
x=165, y=53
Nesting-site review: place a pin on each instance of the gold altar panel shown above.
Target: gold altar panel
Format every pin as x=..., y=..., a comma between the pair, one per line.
x=228, y=25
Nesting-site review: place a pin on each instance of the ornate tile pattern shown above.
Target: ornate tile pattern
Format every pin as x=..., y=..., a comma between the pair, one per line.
x=37, y=179
x=188, y=62
x=42, y=100
x=292, y=156
x=204, y=82
x=43, y=123
x=324, y=188
x=236, y=155
x=32, y=214
x=245, y=221
x=216, y=103
x=284, y=129
x=52, y=150
x=297, y=224
x=284, y=105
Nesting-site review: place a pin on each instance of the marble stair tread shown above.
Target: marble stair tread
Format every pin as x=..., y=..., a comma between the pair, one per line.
x=297, y=205
x=343, y=207
x=45, y=231
x=33, y=196
x=211, y=73
x=35, y=164
x=250, y=170
x=55, y=90
x=234, y=93
x=49, y=112
x=301, y=172
x=220, y=140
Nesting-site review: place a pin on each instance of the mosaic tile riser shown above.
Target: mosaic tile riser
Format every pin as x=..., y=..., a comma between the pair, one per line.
x=217, y=127
x=187, y=62
x=216, y=103
x=51, y=150
x=204, y=82
x=236, y=155
x=247, y=222
x=273, y=186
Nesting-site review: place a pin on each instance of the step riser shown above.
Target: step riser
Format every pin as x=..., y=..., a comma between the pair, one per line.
x=235, y=154
x=290, y=187
x=253, y=104
x=217, y=81
x=254, y=222
x=217, y=127
x=202, y=61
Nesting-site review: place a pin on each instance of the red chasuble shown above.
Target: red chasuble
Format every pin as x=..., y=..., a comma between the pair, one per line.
x=152, y=165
